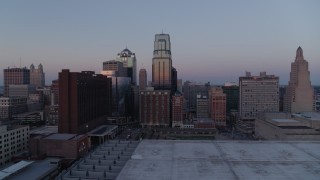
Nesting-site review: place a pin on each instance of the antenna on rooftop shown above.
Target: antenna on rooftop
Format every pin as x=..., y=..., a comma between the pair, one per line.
x=20, y=62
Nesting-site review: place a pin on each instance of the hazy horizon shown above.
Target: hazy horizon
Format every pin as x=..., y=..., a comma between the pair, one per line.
x=211, y=41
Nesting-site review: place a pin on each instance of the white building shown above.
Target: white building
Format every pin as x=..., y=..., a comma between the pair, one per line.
x=299, y=95
x=257, y=94
x=12, y=141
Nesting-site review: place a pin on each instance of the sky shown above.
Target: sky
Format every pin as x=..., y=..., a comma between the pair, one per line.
x=211, y=40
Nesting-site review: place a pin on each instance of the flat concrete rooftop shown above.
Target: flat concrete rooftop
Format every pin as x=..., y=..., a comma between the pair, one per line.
x=285, y=120
x=165, y=159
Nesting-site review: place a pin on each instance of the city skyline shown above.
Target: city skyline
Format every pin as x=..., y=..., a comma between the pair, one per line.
x=224, y=38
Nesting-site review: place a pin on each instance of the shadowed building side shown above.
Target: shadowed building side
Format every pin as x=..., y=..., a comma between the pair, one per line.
x=84, y=101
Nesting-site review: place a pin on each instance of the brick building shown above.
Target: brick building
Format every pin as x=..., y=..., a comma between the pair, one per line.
x=84, y=101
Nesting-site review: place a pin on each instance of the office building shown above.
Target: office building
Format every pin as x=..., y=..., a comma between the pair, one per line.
x=190, y=92
x=129, y=63
x=15, y=76
x=162, y=63
x=232, y=92
x=174, y=80
x=114, y=68
x=218, y=106
x=155, y=108
x=14, y=140
x=177, y=110
x=55, y=91
x=257, y=94
x=299, y=95
x=84, y=101
x=22, y=90
x=121, y=96
x=37, y=76
x=12, y=105
x=202, y=106
x=142, y=79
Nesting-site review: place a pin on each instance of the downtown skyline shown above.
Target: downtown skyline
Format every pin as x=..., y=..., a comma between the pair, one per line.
x=211, y=41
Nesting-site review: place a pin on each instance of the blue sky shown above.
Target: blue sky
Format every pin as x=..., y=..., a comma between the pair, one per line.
x=214, y=41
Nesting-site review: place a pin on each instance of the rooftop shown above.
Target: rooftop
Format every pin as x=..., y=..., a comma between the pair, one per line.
x=165, y=159
x=315, y=116
x=61, y=136
x=285, y=120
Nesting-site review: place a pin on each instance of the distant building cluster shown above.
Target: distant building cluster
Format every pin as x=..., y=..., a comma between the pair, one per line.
x=87, y=109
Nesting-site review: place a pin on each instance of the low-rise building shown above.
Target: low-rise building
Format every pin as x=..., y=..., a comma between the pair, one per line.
x=286, y=126
x=70, y=146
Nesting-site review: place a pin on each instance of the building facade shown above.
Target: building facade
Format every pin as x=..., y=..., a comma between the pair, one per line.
x=162, y=62
x=129, y=63
x=177, y=110
x=218, y=106
x=114, y=68
x=202, y=106
x=12, y=105
x=84, y=101
x=15, y=76
x=299, y=95
x=232, y=93
x=142, y=79
x=155, y=108
x=37, y=76
x=13, y=140
x=257, y=94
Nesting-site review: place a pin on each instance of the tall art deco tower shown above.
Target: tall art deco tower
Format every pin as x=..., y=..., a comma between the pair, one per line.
x=162, y=62
x=299, y=95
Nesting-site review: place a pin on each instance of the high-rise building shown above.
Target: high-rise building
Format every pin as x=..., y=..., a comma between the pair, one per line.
x=177, y=110
x=174, y=80
x=162, y=62
x=37, y=76
x=202, y=106
x=84, y=101
x=218, y=106
x=191, y=90
x=142, y=79
x=15, y=76
x=114, y=68
x=129, y=63
x=155, y=108
x=232, y=92
x=299, y=95
x=55, y=92
x=257, y=94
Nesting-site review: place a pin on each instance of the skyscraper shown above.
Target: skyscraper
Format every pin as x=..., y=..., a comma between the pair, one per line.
x=142, y=79
x=129, y=62
x=114, y=68
x=37, y=76
x=162, y=62
x=299, y=95
x=16, y=76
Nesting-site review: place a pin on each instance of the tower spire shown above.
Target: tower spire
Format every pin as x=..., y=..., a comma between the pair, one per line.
x=299, y=54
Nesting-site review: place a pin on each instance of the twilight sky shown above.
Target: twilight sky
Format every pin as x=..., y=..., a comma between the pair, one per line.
x=211, y=40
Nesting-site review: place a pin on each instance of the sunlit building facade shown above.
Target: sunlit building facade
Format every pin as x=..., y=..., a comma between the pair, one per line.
x=299, y=96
